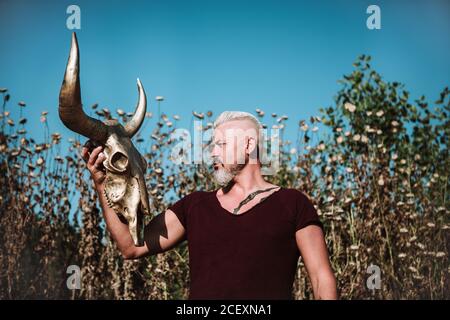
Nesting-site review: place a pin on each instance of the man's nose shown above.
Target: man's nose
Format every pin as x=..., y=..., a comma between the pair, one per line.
x=215, y=151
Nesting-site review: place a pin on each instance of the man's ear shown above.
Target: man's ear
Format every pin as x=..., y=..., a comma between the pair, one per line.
x=251, y=150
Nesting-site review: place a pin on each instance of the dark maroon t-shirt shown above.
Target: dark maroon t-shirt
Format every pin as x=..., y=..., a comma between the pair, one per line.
x=252, y=255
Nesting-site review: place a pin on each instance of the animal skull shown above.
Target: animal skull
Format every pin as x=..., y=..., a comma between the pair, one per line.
x=125, y=188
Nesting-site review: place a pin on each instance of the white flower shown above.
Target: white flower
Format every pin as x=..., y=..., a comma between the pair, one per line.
x=412, y=269
x=315, y=128
x=340, y=139
x=394, y=123
x=364, y=139
x=420, y=245
x=350, y=107
x=380, y=113
x=402, y=255
x=356, y=137
x=403, y=230
x=354, y=247
x=293, y=151
x=369, y=113
x=381, y=181
x=440, y=254
x=369, y=129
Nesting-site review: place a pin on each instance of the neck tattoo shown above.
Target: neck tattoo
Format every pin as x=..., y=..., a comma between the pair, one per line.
x=250, y=197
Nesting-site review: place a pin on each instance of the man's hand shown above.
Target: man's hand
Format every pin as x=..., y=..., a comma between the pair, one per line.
x=94, y=162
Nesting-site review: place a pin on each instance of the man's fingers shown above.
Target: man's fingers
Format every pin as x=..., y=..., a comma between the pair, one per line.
x=94, y=155
x=99, y=161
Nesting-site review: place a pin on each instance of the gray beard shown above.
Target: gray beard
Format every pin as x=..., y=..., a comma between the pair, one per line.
x=224, y=176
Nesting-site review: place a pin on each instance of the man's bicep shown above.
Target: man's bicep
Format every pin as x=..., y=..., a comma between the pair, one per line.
x=313, y=249
x=162, y=233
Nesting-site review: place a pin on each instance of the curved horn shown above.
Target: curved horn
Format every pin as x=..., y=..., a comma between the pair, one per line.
x=70, y=109
x=132, y=126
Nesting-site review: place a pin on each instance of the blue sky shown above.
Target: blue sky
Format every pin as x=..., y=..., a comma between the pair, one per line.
x=281, y=56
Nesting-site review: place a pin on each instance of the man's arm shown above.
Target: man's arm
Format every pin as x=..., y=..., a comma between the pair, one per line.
x=312, y=246
x=162, y=233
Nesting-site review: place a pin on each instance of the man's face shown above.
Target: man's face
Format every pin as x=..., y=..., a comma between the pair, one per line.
x=233, y=142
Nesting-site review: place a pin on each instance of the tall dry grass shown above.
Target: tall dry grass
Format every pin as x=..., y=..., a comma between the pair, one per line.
x=375, y=165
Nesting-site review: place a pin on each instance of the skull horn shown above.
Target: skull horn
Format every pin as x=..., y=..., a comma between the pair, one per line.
x=132, y=126
x=70, y=108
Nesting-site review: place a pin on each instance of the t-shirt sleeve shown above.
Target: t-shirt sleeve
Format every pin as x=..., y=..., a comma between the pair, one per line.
x=180, y=210
x=306, y=213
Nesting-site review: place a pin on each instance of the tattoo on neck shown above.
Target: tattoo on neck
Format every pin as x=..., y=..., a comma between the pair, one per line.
x=250, y=197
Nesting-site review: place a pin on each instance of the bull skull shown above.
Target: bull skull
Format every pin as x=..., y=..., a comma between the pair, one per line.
x=125, y=188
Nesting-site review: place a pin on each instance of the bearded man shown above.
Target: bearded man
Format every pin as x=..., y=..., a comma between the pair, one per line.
x=245, y=238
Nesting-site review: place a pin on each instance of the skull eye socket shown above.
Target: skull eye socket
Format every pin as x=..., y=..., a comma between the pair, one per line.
x=119, y=161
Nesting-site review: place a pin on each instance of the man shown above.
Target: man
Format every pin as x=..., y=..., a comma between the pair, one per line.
x=245, y=238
